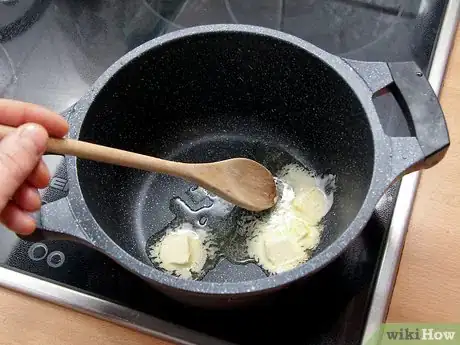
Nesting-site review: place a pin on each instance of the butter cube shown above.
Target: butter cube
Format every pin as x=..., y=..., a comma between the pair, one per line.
x=310, y=205
x=175, y=249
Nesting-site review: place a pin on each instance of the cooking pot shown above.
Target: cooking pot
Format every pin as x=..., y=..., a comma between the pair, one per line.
x=213, y=92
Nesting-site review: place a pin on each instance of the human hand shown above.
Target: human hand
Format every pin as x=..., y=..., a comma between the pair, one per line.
x=22, y=170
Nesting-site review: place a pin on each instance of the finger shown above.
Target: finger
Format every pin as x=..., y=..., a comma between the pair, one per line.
x=17, y=220
x=20, y=153
x=15, y=113
x=27, y=198
x=40, y=176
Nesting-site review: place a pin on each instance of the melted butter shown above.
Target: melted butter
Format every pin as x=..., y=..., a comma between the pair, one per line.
x=183, y=251
x=285, y=237
x=277, y=240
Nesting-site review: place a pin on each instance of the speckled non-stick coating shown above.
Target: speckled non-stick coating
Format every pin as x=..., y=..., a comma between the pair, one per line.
x=267, y=79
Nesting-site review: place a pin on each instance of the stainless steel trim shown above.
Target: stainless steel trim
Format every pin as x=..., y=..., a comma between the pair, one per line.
x=102, y=309
x=405, y=199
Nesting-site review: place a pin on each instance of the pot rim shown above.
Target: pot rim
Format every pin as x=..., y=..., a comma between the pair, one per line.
x=95, y=235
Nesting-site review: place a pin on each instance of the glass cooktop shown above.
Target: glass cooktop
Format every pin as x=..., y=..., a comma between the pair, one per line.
x=51, y=51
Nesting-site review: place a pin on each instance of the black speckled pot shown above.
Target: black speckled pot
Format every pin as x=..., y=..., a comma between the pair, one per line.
x=219, y=91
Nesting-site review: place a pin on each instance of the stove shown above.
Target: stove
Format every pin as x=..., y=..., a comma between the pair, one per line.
x=51, y=51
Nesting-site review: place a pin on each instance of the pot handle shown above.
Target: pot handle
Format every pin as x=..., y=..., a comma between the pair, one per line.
x=55, y=220
x=421, y=108
x=424, y=113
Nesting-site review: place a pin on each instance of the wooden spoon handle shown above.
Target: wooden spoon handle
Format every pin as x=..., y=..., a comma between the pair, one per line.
x=109, y=155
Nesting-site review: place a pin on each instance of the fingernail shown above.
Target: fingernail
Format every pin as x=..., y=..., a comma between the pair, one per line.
x=37, y=134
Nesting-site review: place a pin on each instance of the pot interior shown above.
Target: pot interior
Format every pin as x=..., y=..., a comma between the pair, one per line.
x=215, y=96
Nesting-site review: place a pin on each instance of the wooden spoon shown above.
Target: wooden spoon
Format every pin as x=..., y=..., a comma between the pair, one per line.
x=240, y=181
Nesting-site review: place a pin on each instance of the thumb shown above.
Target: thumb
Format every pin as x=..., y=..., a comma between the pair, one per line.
x=20, y=153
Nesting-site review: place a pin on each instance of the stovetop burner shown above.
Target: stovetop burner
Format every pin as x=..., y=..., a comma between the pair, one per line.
x=60, y=51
